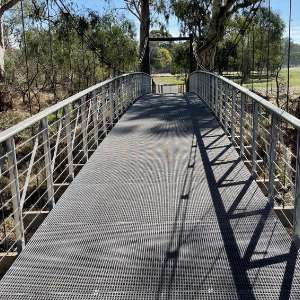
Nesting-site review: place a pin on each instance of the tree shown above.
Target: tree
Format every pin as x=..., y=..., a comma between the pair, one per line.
x=4, y=6
x=160, y=58
x=265, y=33
x=207, y=20
x=76, y=52
x=180, y=62
x=141, y=9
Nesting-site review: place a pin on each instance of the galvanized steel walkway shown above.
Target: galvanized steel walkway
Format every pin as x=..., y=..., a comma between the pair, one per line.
x=164, y=209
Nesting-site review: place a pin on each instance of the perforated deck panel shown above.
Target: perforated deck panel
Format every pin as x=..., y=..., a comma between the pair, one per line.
x=164, y=209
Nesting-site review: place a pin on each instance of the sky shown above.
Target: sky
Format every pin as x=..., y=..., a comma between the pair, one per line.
x=279, y=6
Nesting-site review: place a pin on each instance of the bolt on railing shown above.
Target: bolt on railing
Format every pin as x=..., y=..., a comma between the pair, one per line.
x=40, y=156
x=266, y=136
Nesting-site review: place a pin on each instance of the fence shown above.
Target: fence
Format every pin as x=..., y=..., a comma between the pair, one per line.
x=40, y=156
x=266, y=136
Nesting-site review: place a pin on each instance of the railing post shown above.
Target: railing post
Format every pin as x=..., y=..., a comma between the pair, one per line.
x=142, y=88
x=94, y=113
x=210, y=91
x=84, y=127
x=111, y=103
x=123, y=96
x=131, y=89
x=47, y=158
x=296, y=217
x=220, y=97
x=15, y=192
x=242, y=117
x=115, y=101
x=104, y=110
x=216, y=97
x=226, y=116
x=233, y=106
x=69, y=141
x=254, y=136
x=272, y=156
x=222, y=113
x=206, y=89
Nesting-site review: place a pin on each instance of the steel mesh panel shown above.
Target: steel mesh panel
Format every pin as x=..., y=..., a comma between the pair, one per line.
x=164, y=209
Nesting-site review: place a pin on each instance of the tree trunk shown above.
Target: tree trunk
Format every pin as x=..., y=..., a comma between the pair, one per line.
x=2, y=52
x=207, y=52
x=206, y=57
x=144, y=35
x=4, y=6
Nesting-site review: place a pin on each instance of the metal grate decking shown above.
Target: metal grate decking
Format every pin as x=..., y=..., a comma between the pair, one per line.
x=164, y=209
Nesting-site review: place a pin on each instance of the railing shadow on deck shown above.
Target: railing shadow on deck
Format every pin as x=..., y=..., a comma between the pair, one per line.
x=180, y=235
x=239, y=265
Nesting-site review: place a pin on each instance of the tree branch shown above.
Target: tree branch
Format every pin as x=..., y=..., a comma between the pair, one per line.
x=244, y=4
x=133, y=7
x=7, y=5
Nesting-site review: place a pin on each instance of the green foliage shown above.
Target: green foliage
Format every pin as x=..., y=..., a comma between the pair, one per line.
x=180, y=58
x=160, y=58
x=74, y=53
x=265, y=30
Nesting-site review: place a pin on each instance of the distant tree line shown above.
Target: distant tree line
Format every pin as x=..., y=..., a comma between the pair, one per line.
x=56, y=52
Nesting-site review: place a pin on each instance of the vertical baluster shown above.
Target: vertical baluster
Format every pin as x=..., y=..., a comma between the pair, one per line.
x=296, y=216
x=206, y=89
x=254, y=136
x=104, y=109
x=122, y=83
x=242, y=117
x=221, y=96
x=67, y=112
x=226, y=116
x=117, y=97
x=111, y=103
x=131, y=88
x=233, y=113
x=142, y=85
x=84, y=126
x=94, y=114
x=216, y=97
x=15, y=192
x=272, y=156
x=210, y=90
x=47, y=158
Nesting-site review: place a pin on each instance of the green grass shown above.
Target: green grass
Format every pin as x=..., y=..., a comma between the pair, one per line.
x=259, y=84
x=294, y=79
x=168, y=79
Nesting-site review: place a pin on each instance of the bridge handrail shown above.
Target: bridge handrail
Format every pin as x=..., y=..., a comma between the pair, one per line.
x=40, y=156
x=268, y=105
x=266, y=136
x=9, y=132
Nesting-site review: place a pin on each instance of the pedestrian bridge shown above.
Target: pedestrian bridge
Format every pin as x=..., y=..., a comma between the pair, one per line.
x=167, y=196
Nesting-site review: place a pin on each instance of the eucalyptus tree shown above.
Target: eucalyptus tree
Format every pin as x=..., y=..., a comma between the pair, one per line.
x=207, y=20
x=4, y=7
x=144, y=10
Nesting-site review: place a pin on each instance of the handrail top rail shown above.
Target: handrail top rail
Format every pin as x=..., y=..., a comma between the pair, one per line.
x=15, y=129
x=269, y=106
